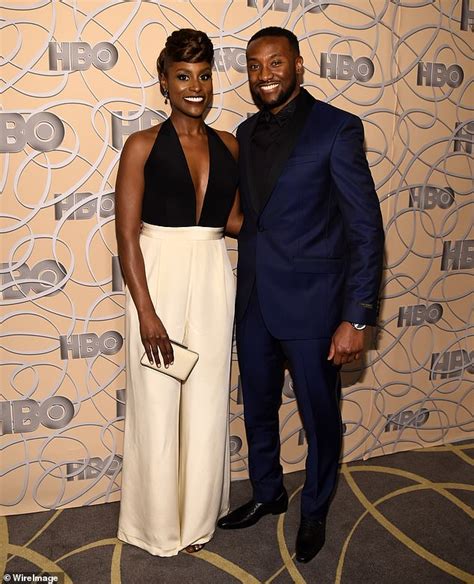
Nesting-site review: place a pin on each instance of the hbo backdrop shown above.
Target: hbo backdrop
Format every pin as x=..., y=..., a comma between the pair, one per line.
x=78, y=78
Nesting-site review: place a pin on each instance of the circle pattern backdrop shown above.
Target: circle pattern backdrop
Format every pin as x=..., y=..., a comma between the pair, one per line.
x=78, y=76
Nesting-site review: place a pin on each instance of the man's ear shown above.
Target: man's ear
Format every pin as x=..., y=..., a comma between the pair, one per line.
x=299, y=65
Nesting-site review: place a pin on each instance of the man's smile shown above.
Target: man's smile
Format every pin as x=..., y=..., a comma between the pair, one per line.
x=269, y=86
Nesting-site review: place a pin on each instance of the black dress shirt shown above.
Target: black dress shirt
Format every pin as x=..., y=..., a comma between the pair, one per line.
x=269, y=131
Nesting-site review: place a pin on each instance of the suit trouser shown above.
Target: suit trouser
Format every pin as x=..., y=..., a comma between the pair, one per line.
x=317, y=387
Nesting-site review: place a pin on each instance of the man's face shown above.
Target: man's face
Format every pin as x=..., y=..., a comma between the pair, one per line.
x=273, y=69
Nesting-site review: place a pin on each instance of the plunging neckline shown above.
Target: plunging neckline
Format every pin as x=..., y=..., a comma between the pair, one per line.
x=197, y=219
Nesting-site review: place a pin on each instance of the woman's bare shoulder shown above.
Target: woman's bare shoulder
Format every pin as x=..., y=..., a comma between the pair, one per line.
x=139, y=144
x=230, y=141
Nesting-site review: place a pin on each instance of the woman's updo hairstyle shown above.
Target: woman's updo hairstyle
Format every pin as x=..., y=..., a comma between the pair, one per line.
x=187, y=45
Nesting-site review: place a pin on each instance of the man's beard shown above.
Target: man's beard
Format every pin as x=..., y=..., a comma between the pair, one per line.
x=280, y=100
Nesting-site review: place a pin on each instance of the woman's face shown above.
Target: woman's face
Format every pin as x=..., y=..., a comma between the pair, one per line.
x=189, y=86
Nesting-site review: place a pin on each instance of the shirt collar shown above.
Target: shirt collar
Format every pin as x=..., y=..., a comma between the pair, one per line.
x=282, y=117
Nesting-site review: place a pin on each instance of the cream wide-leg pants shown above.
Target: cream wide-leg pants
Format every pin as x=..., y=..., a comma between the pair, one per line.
x=176, y=466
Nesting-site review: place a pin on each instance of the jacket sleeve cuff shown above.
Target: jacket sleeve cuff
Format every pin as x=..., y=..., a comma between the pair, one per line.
x=360, y=312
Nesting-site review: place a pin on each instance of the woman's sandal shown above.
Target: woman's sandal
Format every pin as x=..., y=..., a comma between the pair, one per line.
x=195, y=547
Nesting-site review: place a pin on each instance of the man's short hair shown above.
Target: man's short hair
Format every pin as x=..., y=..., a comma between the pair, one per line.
x=277, y=31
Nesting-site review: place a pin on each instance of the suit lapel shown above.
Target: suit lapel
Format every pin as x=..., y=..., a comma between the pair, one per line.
x=248, y=166
x=287, y=143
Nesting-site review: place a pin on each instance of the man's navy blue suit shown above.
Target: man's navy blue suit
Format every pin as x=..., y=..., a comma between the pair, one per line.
x=310, y=256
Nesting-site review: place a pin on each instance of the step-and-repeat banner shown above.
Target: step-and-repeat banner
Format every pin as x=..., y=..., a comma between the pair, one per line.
x=78, y=77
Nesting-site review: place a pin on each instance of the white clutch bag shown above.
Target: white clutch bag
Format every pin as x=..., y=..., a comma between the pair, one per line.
x=183, y=364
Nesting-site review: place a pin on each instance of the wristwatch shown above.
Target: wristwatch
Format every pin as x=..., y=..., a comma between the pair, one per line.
x=358, y=327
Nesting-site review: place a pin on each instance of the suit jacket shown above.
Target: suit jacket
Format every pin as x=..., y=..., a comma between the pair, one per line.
x=314, y=249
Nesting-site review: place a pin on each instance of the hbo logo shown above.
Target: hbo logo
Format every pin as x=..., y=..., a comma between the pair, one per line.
x=93, y=467
x=437, y=75
x=45, y=275
x=284, y=5
x=344, y=67
x=124, y=127
x=117, y=276
x=89, y=345
x=289, y=387
x=235, y=445
x=467, y=16
x=407, y=419
x=458, y=255
x=88, y=209
x=120, y=398
x=25, y=415
x=418, y=314
x=451, y=364
x=228, y=57
x=80, y=56
x=42, y=131
x=428, y=197
x=463, y=137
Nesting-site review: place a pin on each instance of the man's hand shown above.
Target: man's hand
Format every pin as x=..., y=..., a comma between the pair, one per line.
x=347, y=344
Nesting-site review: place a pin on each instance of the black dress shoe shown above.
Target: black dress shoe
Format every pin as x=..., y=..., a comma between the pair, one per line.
x=310, y=539
x=253, y=511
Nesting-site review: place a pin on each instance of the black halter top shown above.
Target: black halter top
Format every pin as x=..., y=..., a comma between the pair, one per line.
x=169, y=198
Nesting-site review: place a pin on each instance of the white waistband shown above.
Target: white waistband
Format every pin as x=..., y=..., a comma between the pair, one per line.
x=191, y=233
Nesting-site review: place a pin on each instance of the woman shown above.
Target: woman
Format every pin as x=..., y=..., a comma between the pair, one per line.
x=175, y=194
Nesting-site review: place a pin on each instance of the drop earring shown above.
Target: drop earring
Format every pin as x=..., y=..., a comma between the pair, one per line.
x=166, y=93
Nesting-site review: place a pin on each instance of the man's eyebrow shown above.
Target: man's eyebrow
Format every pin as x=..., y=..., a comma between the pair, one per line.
x=270, y=57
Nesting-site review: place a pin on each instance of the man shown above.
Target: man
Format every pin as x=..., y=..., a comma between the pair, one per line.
x=310, y=259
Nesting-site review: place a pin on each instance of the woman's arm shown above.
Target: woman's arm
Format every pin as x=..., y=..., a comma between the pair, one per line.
x=235, y=219
x=128, y=207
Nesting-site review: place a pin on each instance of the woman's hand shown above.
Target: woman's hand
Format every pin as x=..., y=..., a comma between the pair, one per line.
x=154, y=337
